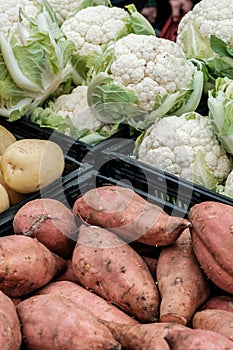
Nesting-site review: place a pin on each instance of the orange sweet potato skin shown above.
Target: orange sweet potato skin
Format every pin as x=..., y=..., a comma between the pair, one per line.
x=148, y=336
x=182, y=284
x=129, y=215
x=97, y=305
x=26, y=265
x=197, y=339
x=68, y=274
x=51, y=222
x=106, y=264
x=211, y=230
x=222, y=302
x=219, y=321
x=10, y=331
x=55, y=322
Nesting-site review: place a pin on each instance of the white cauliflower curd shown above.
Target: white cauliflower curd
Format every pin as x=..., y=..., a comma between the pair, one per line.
x=186, y=147
x=93, y=27
x=64, y=9
x=150, y=66
x=75, y=106
x=145, y=77
x=210, y=17
x=9, y=13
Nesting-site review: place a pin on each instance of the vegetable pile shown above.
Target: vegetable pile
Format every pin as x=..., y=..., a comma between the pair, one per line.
x=95, y=67
x=205, y=36
x=102, y=293
x=89, y=50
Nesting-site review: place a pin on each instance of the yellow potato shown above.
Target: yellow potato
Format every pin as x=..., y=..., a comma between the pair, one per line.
x=6, y=137
x=4, y=199
x=29, y=165
x=14, y=196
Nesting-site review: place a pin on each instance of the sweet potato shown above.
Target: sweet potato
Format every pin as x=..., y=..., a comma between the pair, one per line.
x=51, y=222
x=219, y=321
x=151, y=263
x=148, y=336
x=99, y=306
x=221, y=302
x=68, y=274
x=145, y=249
x=126, y=213
x=212, y=238
x=26, y=265
x=197, y=339
x=55, y=322
x=10, y=331
x=16, y=300
x=105, y=263
x=182, y=284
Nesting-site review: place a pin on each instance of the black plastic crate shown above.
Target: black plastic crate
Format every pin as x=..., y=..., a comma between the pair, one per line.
x=78, y=150
x=154, y=182
x=24, y=129
x=93, y=179
x=81, y=183
x=74, y=152
x=73, y=161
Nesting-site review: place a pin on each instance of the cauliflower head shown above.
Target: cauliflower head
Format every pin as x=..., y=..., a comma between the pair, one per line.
x=145, y=77
x=70, y=114
x=211, y=17
x=76, y=107
x=186, y=147
x=64, y=9
x=94, y=27
x=9, y=13
x=150, y=67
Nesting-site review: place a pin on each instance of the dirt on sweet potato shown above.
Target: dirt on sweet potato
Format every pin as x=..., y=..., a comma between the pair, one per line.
x=100, y=307
x=55, y=322
x=106, y=264
x=26, y=265
x=51, y=222
x=181, y=282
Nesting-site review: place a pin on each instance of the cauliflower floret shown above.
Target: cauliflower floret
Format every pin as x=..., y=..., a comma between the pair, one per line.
x=211, y=17
x=175, y=145
x=64, y=9
x=93, y=27
x=76, y=107
x=9, y=13
x=150, y=66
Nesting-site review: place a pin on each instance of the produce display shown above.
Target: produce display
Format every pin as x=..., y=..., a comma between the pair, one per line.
x=139, y=257
x=105, y=286
x=88, y=86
